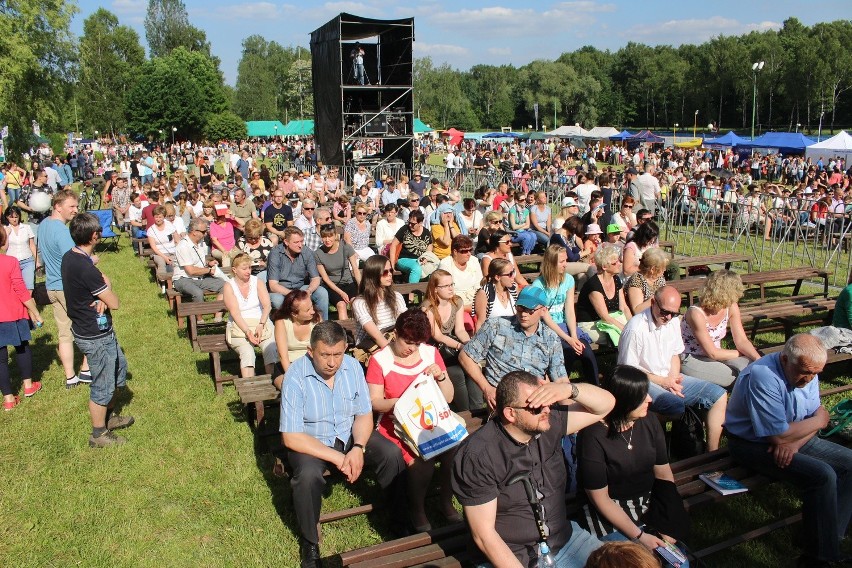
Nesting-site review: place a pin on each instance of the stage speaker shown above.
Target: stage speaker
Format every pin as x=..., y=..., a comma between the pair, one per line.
x=378, y=125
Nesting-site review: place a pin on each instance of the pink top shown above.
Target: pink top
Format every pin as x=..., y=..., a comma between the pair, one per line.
x=224, y=234
x=13, y=292
x=717, y=332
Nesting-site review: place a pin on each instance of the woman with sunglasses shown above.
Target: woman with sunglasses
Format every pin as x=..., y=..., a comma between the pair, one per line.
x=500, y=246
x=558, y=287
x=644, y=237
x=390, y=371
x=256, y=245
x=410, y=243
x=357, y=231
x=621, y=459
x=377, y=305
x=177, y=222
x=498, y=294
x=162, y=238
x=492, y=221
x=601, y=308
x=625, y=218
x=337, y=264
x=387, y=227
x=445, y=311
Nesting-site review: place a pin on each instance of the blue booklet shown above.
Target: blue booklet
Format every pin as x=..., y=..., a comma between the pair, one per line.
x=723, y=483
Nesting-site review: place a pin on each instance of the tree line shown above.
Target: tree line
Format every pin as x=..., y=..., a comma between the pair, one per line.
x=102, y=81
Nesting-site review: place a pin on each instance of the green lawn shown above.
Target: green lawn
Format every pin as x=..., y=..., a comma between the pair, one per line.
x=190, y=488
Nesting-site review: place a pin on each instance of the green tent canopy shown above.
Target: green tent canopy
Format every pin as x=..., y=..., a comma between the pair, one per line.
x=264, y=128
x=299, y=128
x=421, y=127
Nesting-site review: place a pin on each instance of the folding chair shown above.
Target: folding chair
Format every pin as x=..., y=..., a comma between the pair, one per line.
x=105, y=218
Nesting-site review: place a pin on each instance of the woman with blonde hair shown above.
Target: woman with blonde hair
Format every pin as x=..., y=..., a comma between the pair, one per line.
x=357, y=231
x=498, y=294
x=641, y=285
x=445, y=311
x=601, y=308
x=706, y=324
x=248, y=325
x=256, y=245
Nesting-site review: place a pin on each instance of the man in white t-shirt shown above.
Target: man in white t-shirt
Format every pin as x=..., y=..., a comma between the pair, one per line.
x=193, y=273
x=584, y=190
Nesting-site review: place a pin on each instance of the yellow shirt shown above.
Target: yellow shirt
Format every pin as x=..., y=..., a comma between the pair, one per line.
x=437, y=233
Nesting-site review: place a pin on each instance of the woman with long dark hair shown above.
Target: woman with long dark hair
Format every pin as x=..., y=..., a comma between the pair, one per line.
x=377, y=305
x=644, y=237
x=500, y=246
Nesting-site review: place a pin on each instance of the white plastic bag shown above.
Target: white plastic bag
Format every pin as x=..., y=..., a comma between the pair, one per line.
x=424, y=420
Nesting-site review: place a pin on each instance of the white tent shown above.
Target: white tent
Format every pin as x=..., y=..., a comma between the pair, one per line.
x=839, y=145
x=601, y=132
x=569, y=132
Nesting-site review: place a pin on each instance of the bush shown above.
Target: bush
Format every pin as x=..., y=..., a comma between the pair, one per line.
x=224, y=126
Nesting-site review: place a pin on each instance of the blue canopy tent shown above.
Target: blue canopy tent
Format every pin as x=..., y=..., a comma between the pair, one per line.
x=784, y=142
x=504, y=135
x=256, y=128
x=728, y=140
x=647, y=137
x=621, y=136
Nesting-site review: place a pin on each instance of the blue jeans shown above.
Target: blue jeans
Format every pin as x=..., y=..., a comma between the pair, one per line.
x=138, y=233
x=822, y=471
x=542, y=238
x=13, y=194
x=696, y=393
x=319, y=298
x=618, y=537
x=526, y=239
x=575, y=552
x=108, y=366
x=410, y=267
x=28, y=271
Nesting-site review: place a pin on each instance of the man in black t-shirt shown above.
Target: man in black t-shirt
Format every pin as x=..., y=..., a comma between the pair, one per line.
x=526, y=439
x=277, y=216
x=90, y=298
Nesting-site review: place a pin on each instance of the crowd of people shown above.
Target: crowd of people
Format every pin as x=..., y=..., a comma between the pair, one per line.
x=291, y=255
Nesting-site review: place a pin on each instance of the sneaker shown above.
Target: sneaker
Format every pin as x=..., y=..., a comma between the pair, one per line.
x=106, y=440
x=117, y=422
x=72, y=382
x=85, y=376
x=9, y=405
x=33, y=389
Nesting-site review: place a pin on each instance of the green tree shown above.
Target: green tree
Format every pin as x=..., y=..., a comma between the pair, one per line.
x=36, y=53
x=167, y=27
x=224, y=126
x=439, y=98
x=255, y=96
x=110, y=58
x=490, y=91
x=298, y=95
x=204, y=71
x=834, y=63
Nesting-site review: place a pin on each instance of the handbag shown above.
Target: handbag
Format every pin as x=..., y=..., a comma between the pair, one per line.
x=232, y=330
x=687, y=435
x=367, y=347
x=839, y=421
x=450, y=355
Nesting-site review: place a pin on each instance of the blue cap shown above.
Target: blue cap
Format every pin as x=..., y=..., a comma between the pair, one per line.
x=532, y=297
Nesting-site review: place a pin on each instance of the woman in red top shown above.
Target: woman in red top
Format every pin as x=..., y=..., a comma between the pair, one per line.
x=17, y=308
x=389, y=372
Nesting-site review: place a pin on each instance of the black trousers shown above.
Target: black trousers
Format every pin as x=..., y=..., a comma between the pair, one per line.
x=307, y=481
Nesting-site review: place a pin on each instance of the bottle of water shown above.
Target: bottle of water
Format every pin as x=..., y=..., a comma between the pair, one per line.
x=545, y=558
x=101, y=320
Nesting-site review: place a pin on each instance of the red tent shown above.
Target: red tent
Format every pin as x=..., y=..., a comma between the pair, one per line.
x=456, y=136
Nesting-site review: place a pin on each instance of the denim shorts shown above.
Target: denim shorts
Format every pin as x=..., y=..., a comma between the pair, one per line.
x=696, y=393
x=107, y=364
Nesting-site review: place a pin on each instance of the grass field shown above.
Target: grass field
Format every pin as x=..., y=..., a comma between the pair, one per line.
x=191, y=488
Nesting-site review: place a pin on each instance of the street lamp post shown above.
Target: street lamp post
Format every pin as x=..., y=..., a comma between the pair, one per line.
x=276, y=132
x=675, y=132
x=174, y=129
x=96, y=135
x=695, y=125
x=798, y=126
x=754, y=69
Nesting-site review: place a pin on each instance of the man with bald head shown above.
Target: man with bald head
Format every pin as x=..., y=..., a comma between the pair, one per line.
x=773, y=420
x=652, y=341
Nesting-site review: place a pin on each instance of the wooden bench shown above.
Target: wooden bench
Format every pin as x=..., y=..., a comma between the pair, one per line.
x=255, y=392
x=726, y=259
x=764, y=280
x=211, y=343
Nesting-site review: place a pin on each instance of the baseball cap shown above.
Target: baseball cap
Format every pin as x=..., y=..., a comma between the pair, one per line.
x=532, y=297
x=569, y=202
x=613, y=228
x=631, y=171
x=293, y=196
x=593, y=229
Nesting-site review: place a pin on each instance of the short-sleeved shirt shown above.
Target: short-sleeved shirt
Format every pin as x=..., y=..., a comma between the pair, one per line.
x=291, y=273
x=54, y=240
x=310, y=406
x=82, y=283
x=412, y=245
x=488, y=459
x=279, y=217
x=468, y=281
x=189, y=254
x=385, y=318
x=164, y=238
x=584, y=308
x=504, y=347
x=336, y=265
x=440, y=250
x=556, y=297
x=607, y=462
x=257, y=254
x=764, y=404
x=648, y=347
x=245, y=211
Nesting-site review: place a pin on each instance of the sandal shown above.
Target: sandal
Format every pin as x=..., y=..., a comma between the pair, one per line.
x=9, y=405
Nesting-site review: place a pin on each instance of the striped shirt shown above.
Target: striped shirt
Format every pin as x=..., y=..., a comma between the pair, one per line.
x=384, y=316
x=309, y=406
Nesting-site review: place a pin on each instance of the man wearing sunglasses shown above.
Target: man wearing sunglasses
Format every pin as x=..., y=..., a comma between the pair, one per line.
x=519, y=343
x=524, y=441
x=652, y=341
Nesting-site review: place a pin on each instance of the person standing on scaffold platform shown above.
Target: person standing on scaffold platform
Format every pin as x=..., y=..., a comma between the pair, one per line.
x=357, y=56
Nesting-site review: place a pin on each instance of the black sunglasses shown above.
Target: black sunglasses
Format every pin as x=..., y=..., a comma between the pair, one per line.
x=533, y=411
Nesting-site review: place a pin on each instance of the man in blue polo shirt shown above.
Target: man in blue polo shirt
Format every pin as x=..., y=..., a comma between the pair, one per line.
x=772, y=420
x=291, y=267
x=327, y=422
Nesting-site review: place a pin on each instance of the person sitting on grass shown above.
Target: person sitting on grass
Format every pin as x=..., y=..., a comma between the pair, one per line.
x=390, y=371
x=247, y=302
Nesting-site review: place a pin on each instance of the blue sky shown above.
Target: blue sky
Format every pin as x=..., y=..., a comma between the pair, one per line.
x=469, y=32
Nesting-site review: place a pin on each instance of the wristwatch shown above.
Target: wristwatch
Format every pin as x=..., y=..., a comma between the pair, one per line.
x=361, y=446
x=574, y=392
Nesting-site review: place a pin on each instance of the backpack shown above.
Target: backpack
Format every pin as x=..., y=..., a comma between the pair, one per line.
x=687, y=435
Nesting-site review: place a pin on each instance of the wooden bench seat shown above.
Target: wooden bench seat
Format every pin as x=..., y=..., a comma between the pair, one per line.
x=255, y=392
x=766, y=279
x=726, y=259
x=213, y=343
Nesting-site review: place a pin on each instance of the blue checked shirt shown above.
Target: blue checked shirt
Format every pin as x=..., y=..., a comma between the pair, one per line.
x=504, y=347
x=309, y=406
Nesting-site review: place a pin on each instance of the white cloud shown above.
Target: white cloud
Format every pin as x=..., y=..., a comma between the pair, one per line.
x=438, y=49
x=522, y=22
x=258, y=11
x=587, y=6
x=129, y=6
x=693, y=30
x=500, y=50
